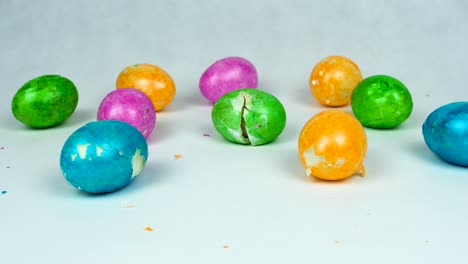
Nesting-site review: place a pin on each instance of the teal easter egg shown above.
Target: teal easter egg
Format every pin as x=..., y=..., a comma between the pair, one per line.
x=445, y=132
x=103, y=156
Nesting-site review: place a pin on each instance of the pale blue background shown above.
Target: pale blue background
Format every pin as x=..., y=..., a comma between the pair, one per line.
x=410, y=208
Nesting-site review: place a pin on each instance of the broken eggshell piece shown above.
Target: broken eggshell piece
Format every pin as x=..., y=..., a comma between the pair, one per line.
x=249, y=116
x=333, y=145
x=103, y=156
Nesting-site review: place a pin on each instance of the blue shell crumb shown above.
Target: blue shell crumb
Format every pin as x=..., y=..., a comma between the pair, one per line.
x=103, y=156
x=445, y=132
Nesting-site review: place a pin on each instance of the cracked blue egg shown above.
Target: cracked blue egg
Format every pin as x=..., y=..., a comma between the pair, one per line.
x=103, y=156
x=445, y=132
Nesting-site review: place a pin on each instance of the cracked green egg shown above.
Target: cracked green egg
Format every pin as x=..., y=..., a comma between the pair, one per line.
x=249, y=116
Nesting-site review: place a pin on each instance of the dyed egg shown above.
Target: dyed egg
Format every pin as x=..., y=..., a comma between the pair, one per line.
x=45, y=101
x=332, y=145
x=445, y=132
x=333, y=79
x=381, y=101
x=249, y=116
x=227, y=75
x=103, y=156
x=157, y=84
x=131, y=106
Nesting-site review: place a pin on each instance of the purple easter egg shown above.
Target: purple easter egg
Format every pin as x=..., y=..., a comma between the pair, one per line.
x=131, y=106
x=226, y=75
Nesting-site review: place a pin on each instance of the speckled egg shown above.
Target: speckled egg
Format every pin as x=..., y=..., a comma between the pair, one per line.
x=249, y=116
x=154, y=81
x=103, y=156
x=131, y=106
x=227, y=75
x=381, y=101
x=445, y=132
x=332, y=145
x=45, y=101
x=333, y=79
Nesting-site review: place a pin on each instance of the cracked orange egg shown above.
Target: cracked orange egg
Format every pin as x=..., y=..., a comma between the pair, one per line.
x=333, y=145
x=156, y=83
x=333, y=79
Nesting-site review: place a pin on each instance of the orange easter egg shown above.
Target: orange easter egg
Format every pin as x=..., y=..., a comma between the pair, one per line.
x=333, y=79
x=156, y=83
x=333, y=145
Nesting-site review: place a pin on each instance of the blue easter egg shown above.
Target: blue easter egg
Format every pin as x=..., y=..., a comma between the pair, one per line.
x=445, y=132
x=103, y=156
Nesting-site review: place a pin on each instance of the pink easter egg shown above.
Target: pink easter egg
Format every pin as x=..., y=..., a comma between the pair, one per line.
x=131, y=106
x=227, y=75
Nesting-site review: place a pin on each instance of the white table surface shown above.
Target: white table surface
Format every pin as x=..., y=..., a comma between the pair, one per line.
x=222, y=202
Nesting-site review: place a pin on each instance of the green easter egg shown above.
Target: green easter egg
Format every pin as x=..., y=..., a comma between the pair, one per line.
x=381, y=101
x=45, y=101
x=249, y=116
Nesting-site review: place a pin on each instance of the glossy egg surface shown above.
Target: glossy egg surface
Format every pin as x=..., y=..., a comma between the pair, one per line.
x=445, y=132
